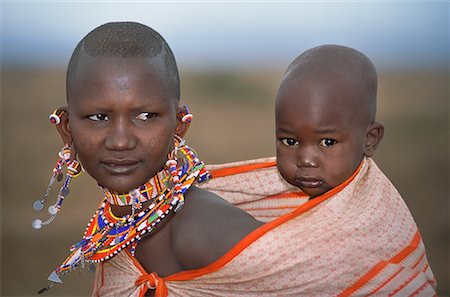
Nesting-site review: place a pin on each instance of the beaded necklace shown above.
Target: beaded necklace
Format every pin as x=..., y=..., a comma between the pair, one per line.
x=106, y=235
x=146, y=192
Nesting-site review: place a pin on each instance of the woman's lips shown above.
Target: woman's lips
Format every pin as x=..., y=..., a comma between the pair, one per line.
x=309, y=182
x=120, y=166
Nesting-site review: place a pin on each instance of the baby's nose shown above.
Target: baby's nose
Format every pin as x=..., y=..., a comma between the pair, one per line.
x=306, y=157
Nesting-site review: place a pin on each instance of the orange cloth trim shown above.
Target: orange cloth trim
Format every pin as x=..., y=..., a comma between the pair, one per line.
x=240, y=169
x=286, y=195
x=386, y=281
x=152, y=281
x=408, y=250
x=366, y=278
x=246, y=241
x=149, y=280
x=269, y=207
x=253, y=236
x=380, y=266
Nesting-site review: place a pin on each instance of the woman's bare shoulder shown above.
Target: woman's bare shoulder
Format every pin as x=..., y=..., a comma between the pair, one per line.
x=207, y=227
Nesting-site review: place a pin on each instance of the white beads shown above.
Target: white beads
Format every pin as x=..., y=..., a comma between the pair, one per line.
x=53, y=210
x=187, y=118
x=38, y=205
x=54, y=119
x=37, y=224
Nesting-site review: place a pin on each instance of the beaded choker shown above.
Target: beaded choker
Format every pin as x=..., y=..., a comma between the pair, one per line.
x=106, y=235
x=146, y=192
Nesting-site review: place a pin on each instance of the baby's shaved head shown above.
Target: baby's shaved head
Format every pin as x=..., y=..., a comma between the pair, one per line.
x=125, y=40
x=325, y=117
x=329, y=63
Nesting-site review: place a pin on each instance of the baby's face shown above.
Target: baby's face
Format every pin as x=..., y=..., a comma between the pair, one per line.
x=122, y=120
x=320, y=135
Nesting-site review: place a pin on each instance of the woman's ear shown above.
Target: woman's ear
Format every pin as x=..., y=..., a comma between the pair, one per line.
x=64, y=130
x=374, y=134
x=184, y=119
x=63, y=125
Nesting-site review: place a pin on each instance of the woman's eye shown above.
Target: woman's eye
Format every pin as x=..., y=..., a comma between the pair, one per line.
x=289, y=142
x=143, y=116
x=326, y=142
x=99, y=117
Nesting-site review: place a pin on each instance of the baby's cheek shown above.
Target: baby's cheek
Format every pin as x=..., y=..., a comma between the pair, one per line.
x=337, y=175
x=286, y=169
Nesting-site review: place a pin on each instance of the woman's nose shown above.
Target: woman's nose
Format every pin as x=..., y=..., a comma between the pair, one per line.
x=120, y=137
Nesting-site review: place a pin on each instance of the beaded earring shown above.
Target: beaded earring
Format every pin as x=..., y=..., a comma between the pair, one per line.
x=55, y=117
x=64, y=156
x=73, y=170
x=173, y=160
x=187, y=118
x=172, y=164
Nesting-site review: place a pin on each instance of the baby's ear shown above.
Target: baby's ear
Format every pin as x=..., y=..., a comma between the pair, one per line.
x=63, y=125
x=374, y=134
x=184, y=119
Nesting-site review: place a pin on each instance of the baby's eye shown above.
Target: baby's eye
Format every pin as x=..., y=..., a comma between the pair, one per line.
x=143, y=116
x=289, y=142
x=100, y=117
x=326, y=142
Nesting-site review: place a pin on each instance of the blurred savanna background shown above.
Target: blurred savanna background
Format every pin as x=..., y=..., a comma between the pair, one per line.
x=231, y=57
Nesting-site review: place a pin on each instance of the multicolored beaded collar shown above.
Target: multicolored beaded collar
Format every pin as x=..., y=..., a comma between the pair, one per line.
x=146, y=192
x=106, y=235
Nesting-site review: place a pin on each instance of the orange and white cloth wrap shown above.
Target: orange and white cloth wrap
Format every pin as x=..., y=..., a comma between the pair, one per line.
x=358, y=239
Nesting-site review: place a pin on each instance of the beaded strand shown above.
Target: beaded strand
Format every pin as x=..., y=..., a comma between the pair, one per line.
x=106, y=235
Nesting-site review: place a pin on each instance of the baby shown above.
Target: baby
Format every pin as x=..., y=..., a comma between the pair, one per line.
x=325, y=118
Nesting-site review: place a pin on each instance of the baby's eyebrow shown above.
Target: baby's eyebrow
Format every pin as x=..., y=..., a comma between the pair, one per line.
x=283, y=130
x=325, y=130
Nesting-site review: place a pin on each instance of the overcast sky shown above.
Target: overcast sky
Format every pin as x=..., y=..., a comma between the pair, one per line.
x=235, y=34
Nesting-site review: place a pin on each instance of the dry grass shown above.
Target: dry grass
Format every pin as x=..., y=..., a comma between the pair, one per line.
x=233, y=121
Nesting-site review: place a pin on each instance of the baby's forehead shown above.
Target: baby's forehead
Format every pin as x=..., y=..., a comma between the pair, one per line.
x=322, y=93
x=328, y=80
x=334, y=84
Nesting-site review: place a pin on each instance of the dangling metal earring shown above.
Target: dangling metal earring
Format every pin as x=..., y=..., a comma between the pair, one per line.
x=73, y=170
x=63, y=157
x=187, y=118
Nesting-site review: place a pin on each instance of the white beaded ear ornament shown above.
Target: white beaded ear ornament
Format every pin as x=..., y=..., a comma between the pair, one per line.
x=173, y=162
x=55, y=116
x=187, y=118
x=73, y=170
